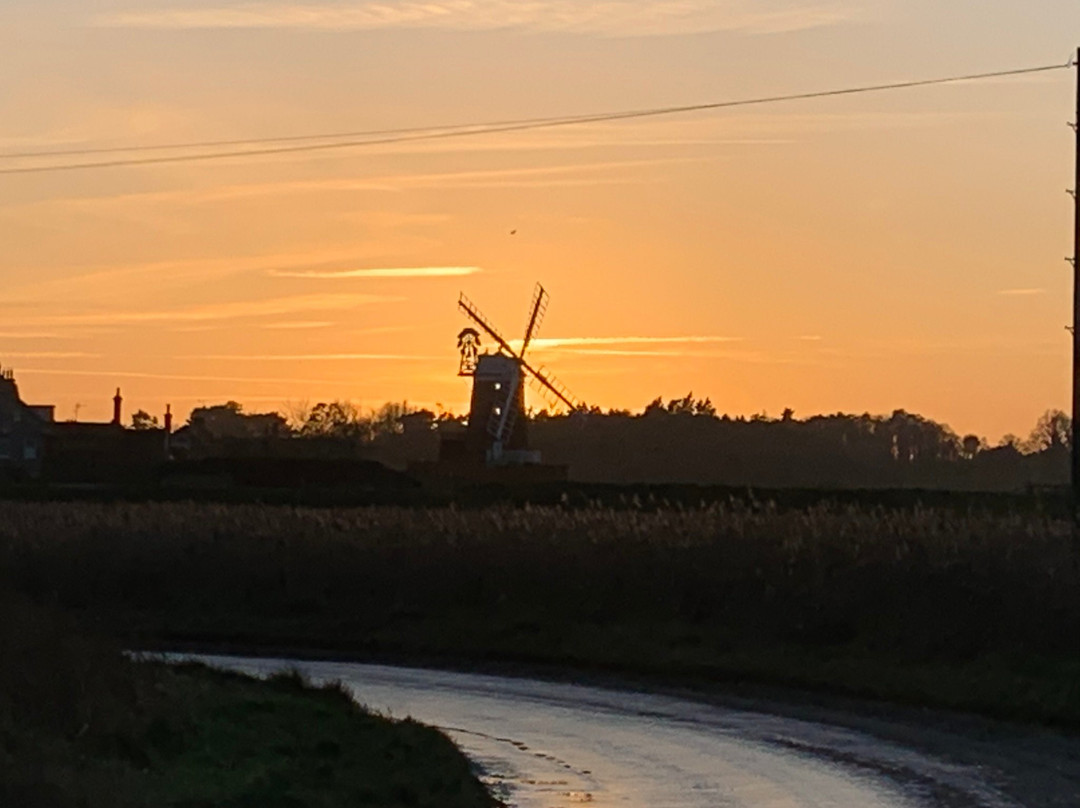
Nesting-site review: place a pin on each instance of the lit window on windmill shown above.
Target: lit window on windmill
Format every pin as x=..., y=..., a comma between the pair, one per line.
x=498, y=410
x=498, y=385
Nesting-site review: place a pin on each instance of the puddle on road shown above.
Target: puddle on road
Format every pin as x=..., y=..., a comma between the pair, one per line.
x=523, y=777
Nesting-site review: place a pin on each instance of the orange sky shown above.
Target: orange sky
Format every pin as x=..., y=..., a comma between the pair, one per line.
x=867, y=253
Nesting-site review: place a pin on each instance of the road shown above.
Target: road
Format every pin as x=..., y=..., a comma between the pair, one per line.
x=554, y=745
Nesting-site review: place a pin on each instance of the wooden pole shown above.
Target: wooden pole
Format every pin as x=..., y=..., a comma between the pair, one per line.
x=1075, y=470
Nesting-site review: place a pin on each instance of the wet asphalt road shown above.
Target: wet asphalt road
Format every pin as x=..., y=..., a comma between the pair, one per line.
x=549, y=745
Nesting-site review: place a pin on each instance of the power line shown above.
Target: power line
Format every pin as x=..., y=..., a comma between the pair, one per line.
x=390, y=136
x=261, y=140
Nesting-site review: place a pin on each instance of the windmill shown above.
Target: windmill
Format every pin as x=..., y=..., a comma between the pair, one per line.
x=497, y=420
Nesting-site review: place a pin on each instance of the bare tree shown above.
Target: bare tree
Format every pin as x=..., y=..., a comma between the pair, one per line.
x=1053, y=429
x=336, y=419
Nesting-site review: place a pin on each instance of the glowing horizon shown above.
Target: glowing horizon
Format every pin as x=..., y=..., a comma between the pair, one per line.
x=857, y=254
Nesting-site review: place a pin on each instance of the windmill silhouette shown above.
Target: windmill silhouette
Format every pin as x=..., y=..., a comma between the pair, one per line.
x=497, y=423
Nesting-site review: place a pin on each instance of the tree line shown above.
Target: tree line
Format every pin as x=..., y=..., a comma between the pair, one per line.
x=677, y=440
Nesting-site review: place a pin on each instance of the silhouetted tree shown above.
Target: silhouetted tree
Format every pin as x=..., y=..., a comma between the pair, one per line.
x=1053, y=429
x=916, y=439
x=418, y=421
x=654, y=407
x=387, y=419
x=335, y=419
x=230, y=421
x=705, y=407
x=141, y=419
x=683, y=440
x=970, y=446
x=682, y=406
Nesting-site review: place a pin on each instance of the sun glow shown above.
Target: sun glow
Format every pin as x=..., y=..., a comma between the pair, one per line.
x=858, y=253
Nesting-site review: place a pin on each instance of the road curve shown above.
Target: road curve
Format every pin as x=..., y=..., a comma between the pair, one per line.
x=555, y=745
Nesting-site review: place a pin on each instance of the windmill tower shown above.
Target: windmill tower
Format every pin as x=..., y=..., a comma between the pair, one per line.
x=497, y=423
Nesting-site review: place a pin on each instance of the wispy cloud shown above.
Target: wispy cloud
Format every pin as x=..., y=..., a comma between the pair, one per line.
x=755, y=357
x=575, y=173
x=621, y=352
x=673, y=347
x=599, y=17
x=399, y=272
x=1020, y=292
x=176, y=377
x=218, y=311
x=50, y=354
x=562, y=343
x=330, y=357
x=996, y=346
x=92, y=281
x=299, y=325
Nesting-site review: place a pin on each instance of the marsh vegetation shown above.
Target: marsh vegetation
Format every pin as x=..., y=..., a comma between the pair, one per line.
x=965, y=609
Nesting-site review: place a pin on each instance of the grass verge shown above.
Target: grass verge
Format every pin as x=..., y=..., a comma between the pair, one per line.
x=81, y=725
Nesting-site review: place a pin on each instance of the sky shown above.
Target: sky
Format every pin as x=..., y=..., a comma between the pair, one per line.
x=862, y=253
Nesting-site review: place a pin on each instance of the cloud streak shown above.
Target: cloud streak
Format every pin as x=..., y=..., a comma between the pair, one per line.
x=613, y=18
x=51, y=354
x=239, y=309
x=399, y=272
x=298, y=325
x=746, y=357
x=334, y=357
x=566, y=174
x=176, y=377
x=674, y=347
x=566, y=343
x=624, y=352
x=92, y=281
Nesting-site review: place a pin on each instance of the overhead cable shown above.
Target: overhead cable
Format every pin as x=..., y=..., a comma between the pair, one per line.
x=391, y=136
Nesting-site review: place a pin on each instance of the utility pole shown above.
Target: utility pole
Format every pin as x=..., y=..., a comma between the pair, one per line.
x=1075, y=476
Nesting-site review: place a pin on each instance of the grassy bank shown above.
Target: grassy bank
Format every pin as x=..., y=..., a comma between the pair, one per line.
x=961, y=609
x=81, y=725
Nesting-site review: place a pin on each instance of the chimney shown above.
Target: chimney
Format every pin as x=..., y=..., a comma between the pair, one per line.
x=116, y=402
x=168, y=419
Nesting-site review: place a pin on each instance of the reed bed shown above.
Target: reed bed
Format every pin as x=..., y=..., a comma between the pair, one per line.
x=661, y=588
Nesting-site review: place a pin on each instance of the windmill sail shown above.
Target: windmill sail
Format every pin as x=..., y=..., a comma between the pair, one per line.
x=552, y=387
x=545, y=381
x=537, y=310
x=473, y=313
x=497, y=417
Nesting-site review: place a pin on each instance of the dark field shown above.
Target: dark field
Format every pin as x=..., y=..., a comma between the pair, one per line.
x=932, y=606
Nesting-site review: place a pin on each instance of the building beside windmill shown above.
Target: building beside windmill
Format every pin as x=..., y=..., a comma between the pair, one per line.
x=22, y=432
x=88, y=453
x=35, y=446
